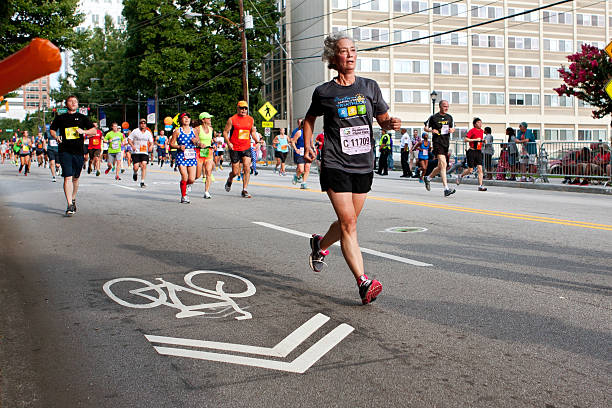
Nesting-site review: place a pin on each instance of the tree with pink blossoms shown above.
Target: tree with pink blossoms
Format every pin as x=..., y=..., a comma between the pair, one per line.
x=585, y=78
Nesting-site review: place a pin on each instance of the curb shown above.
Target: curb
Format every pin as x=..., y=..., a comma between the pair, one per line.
x=537, y=186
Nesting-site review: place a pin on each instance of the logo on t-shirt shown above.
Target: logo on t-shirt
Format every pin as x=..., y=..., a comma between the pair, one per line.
x=343, y=112
x=352, y=110
x=349, y=106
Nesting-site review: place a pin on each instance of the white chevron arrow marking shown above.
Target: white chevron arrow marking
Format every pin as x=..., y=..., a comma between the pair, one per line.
x=282, y=349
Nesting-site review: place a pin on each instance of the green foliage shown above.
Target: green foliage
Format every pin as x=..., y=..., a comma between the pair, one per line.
x=193, y=62
x=23, y=20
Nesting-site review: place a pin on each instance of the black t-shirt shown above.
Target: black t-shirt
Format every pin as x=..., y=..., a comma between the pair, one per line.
x=65, y=125
x=442, y=123
x=347, y=121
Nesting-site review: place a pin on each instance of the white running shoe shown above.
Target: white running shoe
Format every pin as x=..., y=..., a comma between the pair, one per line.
x=207, y=195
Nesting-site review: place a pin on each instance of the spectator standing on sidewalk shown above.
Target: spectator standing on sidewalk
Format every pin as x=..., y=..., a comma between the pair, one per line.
x=415, y=140
x=529, y=162
x=513, y=153
x=384, y=149
x=406, y=147
x=390, y=157
x=488, y=151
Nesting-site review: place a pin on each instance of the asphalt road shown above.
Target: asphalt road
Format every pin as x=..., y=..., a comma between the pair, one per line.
x=513, y=307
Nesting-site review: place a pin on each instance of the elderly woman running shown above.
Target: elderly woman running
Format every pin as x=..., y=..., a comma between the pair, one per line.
x=347, y=103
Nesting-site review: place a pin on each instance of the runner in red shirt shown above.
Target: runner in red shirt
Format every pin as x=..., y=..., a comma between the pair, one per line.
x=238, y=132
x=475, y=139
x=95, y=149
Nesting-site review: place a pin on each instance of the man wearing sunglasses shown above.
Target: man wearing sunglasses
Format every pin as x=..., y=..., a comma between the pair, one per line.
x=141, y=141
x=238, y=132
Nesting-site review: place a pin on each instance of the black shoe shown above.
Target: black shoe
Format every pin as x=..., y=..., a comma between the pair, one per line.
x=449, y=192
x=228, y=185
x=89, y=170
x=70, y=210
x=404, y=175
x=142, y=185
x=427, y=183
x=317, y=257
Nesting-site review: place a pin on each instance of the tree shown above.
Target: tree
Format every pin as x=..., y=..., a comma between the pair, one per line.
x=585, y=78
x=23, y=20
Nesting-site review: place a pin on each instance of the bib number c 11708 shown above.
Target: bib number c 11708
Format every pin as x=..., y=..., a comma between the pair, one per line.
x=355, y=140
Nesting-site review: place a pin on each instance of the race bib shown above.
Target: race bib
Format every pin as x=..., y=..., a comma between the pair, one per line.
x=95, y=142
x=355, y=140
x=71, y=133
x=300, y=151
x=115, y=144
x=244, y=134
x=25, y=148
x=189, y=154
x=53, y=143
x=204, y=152
x=143, y=148
x=445, y=130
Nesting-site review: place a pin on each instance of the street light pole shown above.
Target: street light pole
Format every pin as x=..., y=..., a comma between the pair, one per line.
x=245, y=71
x=434, y=97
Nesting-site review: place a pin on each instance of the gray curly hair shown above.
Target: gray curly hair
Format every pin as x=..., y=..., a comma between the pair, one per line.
x=330, y=47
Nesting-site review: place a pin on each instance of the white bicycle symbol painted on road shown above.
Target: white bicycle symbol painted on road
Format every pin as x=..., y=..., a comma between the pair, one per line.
x=223, y=306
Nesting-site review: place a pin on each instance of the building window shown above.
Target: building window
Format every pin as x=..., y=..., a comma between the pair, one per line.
x=411, y=96
x=339, y=4
x=523, y=71
x=583, y=104
x=456, y=97
x=373, y=5
x=371, y=34
x=590, y=20
x=596, y=44
x=523, y=43
x=559, y=134
x=488, y=98
x=558, y=101
x=405, y=35
x=551, y=44
x=407, y=6
x=95, y=19
x=450, y=39
x=551, y=72
x=373, y=65
x=487, y=41
x=494, y=70
x=487, y=12
x=450, y=68
x=554, y=17
x=528, y=18
x=445, y=9
x=592, y=134
x=521, y=99
x=402, y=66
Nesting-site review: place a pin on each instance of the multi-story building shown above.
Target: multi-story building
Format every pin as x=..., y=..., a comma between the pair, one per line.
x=503, y=72
x=29, y=98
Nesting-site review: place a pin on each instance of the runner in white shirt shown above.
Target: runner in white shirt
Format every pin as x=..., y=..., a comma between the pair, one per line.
x=220, y=151
x=141, y=141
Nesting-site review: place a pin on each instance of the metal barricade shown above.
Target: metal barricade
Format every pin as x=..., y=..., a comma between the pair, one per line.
x=577, y=162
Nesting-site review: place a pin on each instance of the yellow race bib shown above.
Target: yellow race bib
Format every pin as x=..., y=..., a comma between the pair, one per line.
x=244, y=134
x=71, y=132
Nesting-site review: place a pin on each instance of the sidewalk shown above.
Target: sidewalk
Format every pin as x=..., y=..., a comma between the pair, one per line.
x=554, y=184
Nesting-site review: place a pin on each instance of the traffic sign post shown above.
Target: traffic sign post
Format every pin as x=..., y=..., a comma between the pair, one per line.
x=608, y=88
x=267, y=131
x=267, y=111
x=267, y=124
x=608, y=49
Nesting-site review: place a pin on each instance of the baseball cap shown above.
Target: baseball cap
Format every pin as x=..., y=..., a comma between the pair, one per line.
x=206, y=115
x=243, y=104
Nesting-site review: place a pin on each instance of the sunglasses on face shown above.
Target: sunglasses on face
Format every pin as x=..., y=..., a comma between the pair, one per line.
x=243, y=107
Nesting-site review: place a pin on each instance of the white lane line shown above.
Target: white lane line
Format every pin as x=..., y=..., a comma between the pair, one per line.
x=364, y=250
x=282, y=349
x=129, y=188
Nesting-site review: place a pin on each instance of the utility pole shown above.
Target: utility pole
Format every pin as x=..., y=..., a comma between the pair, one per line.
x=245, y=77
x=156, y=108
x=138, y=102
x=289, y=65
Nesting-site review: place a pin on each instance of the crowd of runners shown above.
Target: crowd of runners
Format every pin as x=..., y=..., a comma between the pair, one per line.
x=343, y=152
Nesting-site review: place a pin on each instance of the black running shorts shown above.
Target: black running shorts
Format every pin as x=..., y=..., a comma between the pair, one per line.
x=474, y=158
x=237, y=155
x=341, y=181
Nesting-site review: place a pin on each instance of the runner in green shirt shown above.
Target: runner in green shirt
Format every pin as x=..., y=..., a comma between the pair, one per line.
x=115, y=139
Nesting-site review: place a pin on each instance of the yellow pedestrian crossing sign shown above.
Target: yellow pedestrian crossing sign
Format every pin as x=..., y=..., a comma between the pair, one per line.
x=267, y=111
x=608, y=89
